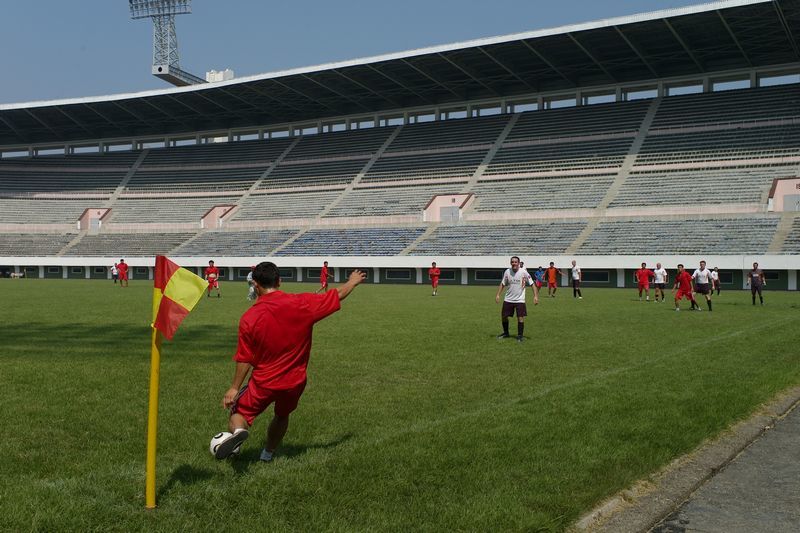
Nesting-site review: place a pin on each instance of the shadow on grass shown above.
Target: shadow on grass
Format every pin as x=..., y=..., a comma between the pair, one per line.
x=185, y=475
x=242, y=463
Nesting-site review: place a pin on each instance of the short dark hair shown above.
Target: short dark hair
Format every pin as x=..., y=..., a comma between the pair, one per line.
x=266, y=274
x=680, y=265
x=324, y=262
x=552, y=263
x=211, y=262
x=515, y=257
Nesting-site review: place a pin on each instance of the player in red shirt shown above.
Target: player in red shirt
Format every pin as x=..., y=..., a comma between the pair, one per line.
x=122, y=268
x=323, y=278
x=433, y=274
x=683, y=282
x=274, y=348
x=212, y=276
x=551, y=274
x=643, y=277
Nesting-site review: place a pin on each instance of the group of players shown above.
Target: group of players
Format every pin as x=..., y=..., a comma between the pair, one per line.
x=516, y=279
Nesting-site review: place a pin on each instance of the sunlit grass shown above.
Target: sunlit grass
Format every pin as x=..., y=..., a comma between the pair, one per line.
x=415, y=416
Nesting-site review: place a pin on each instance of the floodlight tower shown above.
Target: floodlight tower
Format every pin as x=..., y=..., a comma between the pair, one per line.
x=166, y=61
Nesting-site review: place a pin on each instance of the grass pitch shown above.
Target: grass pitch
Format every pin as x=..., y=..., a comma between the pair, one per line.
x=415, y=416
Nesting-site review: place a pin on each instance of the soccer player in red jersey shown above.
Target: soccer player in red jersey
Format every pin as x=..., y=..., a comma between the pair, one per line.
x=323, y=278
x=552, y=280
x=683, y=282
x=433, y=274
x=122, y=268
x=643, y=277
x=212, y=276
x=274, y=348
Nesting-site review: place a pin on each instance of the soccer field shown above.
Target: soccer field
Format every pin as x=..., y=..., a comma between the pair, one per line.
x=415, y=417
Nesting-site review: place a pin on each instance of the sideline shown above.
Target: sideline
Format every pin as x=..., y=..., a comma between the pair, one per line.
x=643, y=506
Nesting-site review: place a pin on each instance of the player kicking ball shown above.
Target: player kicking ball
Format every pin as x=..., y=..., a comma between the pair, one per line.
x=274, y=348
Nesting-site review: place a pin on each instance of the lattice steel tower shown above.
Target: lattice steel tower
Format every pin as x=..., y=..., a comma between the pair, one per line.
x=166, y=60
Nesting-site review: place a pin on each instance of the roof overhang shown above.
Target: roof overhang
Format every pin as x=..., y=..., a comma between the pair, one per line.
x=691, y=41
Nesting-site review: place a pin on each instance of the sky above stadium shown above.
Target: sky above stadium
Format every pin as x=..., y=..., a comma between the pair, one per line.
x=54, y=49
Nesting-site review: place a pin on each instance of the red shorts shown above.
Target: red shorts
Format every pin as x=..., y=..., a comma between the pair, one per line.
x=434, y=282
x=551, y=284
x=213, y=283
x=645, y=286
x=538, y=284
x=254, y=400
x=683, y=294
x=123, y=277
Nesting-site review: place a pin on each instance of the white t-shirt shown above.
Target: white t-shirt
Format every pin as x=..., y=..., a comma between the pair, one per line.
x=114, y=270
x=661, y=275
x=714, y=275
x=516, y=283
x=576, y=272
x=702, y=276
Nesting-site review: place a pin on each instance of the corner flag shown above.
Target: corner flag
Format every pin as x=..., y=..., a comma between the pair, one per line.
x=175, y=293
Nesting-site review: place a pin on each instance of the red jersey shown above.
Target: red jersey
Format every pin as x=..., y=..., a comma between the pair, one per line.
x=684, y=281
x=323, y=275
x=551, y=274
x=212, y=270
x=434, y=273
x=643, y=275
x=275, y=336
x=122, y=268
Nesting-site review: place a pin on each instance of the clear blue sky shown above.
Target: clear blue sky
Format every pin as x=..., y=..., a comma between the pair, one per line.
x=55, y=49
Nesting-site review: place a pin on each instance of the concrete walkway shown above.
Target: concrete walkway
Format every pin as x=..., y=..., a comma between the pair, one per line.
x=758, y=491
x=746, y=480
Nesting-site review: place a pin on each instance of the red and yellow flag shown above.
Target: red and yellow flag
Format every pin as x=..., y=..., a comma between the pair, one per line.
x=175, y=293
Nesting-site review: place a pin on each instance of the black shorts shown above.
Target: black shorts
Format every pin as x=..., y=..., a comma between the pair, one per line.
x=576, y=284
x=510, y=307
x=701, y=288
x=660, y=286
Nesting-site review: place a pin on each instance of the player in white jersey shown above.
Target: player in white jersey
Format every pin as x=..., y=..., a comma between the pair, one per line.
x=515, y=282
x=715, y=280
x=251, y=288
x=577, y=277
x=661, y=280
x=702, y=282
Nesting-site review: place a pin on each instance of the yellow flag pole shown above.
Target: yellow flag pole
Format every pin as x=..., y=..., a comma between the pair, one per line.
x=152, y=421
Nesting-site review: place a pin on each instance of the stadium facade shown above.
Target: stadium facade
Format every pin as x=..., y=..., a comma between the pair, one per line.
x=669, y=136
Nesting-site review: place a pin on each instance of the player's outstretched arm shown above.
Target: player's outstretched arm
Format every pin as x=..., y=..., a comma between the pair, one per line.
x=242, y=369
x=356, y=278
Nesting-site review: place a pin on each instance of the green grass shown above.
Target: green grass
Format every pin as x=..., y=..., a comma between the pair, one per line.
x=415, y=416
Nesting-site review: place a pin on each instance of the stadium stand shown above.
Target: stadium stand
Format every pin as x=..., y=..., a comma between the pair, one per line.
x=734, y=185
x=449, y=133
x=579, y=121
x=566, y=156
x=252, y=243
x=763, y=103
x=353, y=241
x=500, y=239
x=42, y=210
x=383, y=201
x=127, y=244
x=303, y=173
x=717, y=235
x=33, y=244
x=337, y=144
x=300, y=204
x=201, y=179
x=791, y=245
x=562, y=192
x=419, y=166
x=218, y=153
x=165, y=209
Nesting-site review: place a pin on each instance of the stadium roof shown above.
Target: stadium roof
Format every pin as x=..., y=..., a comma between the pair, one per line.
x=696, y=40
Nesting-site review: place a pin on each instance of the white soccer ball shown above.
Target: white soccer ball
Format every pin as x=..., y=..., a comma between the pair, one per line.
x=216, y=440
